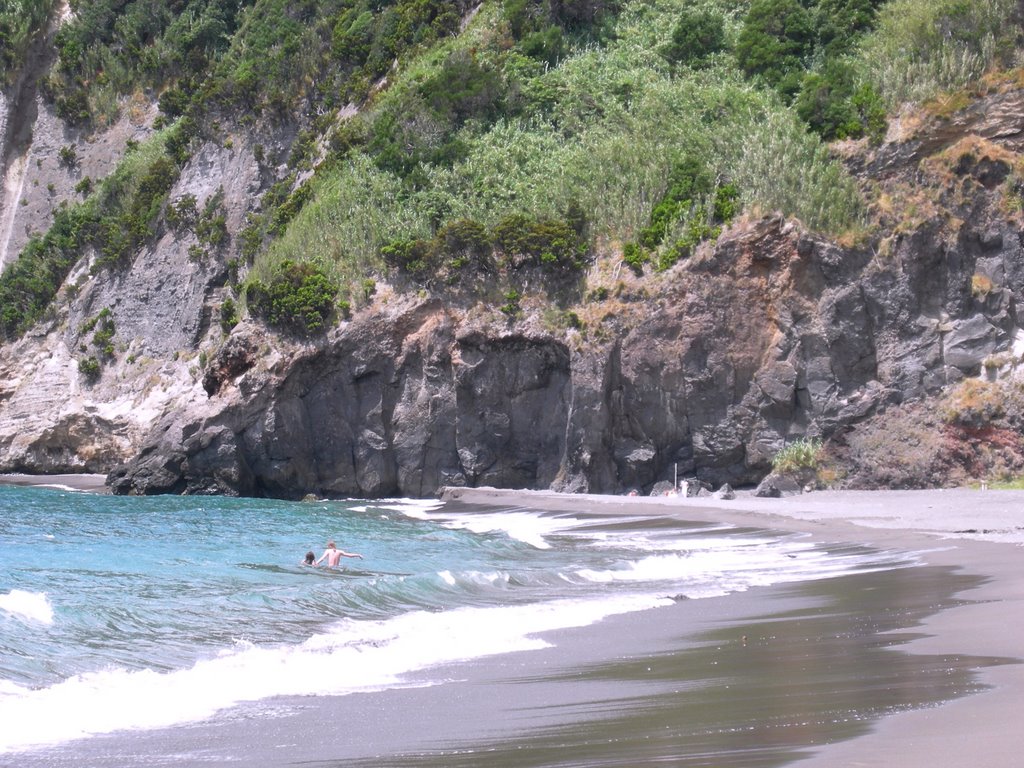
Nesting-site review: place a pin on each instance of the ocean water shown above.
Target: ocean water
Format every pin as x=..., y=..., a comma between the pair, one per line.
x=141, y=613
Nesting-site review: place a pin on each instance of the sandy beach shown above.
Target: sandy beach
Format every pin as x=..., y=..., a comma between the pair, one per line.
x=75, y=482
x=980, y=532
x=963, y=653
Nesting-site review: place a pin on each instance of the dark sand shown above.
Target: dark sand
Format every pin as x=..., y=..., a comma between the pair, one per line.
x=76, y=482
x=911, y=667
x=974, y=532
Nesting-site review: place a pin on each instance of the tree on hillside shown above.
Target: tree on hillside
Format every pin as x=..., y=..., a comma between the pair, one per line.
x=839, y=23
x=698, y=33
x=777, y=37
x=837, y=106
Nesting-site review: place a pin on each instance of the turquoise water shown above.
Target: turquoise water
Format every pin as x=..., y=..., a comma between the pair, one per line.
x=146, y=612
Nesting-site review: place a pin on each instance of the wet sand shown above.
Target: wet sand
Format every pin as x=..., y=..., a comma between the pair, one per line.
x=911, y=667
x=970, y=531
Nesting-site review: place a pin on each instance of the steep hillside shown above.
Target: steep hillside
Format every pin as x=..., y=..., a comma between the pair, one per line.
x=279, y=248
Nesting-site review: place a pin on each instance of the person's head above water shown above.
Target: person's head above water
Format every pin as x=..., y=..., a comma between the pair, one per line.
x=310, y=557
x=330, y=545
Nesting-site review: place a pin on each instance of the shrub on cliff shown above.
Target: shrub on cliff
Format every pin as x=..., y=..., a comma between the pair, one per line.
x=299, y=298
x=689, y=183
x=976, y=403
x=228, y=315
x=800, y=454
x=103, y=330
x=550, y=243
x=90, y=368
x=698, y=34
x=109, y=48
x=776, y=39
x=464, y=249
x=838, y=105
x=467, y=245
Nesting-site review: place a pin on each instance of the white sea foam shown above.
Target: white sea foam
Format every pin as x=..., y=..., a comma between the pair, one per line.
x=418, y=508
x=27, y=606
x=526, y=526
x=729, y=567
x=351, y=656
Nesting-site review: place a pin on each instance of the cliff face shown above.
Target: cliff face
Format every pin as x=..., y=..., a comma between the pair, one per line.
x=708, y=369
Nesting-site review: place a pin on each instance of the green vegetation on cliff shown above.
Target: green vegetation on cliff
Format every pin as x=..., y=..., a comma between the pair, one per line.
x=427, y=128
x=20, y=22
x=604, y=123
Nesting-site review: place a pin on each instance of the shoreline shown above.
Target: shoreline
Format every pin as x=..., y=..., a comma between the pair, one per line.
x=83, y=482
x=974, y=533
x=977, y=532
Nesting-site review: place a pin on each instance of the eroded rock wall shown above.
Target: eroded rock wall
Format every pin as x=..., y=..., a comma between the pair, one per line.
x=708, y=370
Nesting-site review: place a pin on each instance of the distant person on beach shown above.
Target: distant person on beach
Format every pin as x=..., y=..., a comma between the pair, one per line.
x=333, y=555
x=310, y=558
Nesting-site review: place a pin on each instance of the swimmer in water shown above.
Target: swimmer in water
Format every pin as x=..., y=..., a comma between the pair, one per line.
x=333, y=555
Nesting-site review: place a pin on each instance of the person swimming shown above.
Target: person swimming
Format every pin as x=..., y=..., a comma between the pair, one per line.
x=310, y=558
x=333, y=555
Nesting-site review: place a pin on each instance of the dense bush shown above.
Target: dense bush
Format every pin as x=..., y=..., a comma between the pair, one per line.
x=800, y=454
x=840, y=24
x=463, y=89
x=689, y=183
x=693, y=208
x=211, y=224
x=550, y=243
x=809, y=52
x=416, y=256
x=333, y=51
x=526, y=16
x=698, y=34
x=464, y=249
x=29, y=284
x=182, y=213
x=67, y=156
x=228, y=315
x=634, y=257
x=133, y=214
x=837, y=104
x=467, y=244
x=89, y=367
x=299, y=298
x=420, y=127
x=776, y=40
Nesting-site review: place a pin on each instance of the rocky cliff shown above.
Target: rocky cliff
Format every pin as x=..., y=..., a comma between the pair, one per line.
x=764, y=336
x=707, y=370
